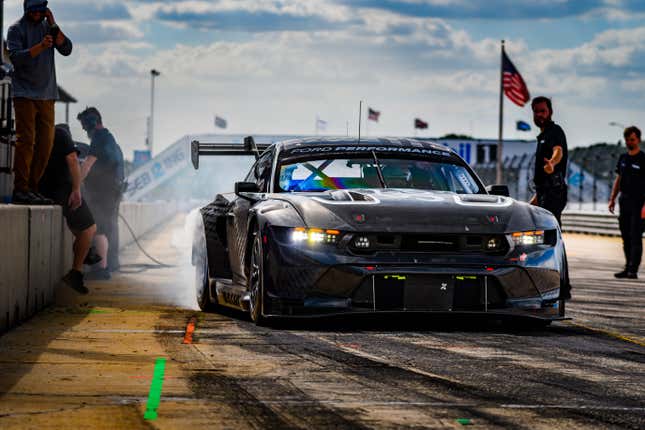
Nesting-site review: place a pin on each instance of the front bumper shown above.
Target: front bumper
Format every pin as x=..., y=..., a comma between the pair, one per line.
x=302, y=281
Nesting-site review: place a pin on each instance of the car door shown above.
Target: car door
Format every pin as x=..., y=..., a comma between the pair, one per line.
x=238, y=217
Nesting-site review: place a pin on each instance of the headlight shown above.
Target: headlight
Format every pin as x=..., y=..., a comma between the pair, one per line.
x=528, y=238
x=314, y=235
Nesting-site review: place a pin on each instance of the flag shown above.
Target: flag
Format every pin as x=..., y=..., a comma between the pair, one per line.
x=220, y=122
x=373, y=114
x=321, y=125
x=523, y=126
x=420, y=124
x=514, y=86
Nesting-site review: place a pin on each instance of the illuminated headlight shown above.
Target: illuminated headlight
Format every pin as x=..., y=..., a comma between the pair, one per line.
x=528, y=238
x=314, y=235
x=362, y=242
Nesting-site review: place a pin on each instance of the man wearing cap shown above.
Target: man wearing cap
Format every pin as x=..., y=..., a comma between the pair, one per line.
x=31, y=42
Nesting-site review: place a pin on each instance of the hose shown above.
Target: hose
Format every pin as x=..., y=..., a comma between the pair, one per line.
x=158, y=264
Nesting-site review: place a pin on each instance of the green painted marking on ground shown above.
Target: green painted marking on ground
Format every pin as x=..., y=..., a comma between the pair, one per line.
x=464, y=421
x=154, y=397
x=98, y=311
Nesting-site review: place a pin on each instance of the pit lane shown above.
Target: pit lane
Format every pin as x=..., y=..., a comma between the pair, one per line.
x=89, y=361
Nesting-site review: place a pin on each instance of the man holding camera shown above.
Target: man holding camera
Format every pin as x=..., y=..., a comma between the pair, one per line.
x=31, y=42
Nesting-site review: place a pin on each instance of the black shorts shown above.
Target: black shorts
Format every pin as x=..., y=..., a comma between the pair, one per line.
x=77, y=220
x=106, y=210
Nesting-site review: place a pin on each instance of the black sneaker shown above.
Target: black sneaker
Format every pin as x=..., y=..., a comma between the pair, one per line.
x=632, y=275
x=23, y=198
x=74, y=280
x=92, y=257
x=43, y=200
x=621, y=275
x=99, y=275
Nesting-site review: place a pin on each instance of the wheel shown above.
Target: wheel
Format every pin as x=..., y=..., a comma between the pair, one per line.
x=202, y=288
x=256, y=278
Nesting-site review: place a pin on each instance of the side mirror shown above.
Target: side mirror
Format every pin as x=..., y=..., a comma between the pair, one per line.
x=242, y=188
x=498, y=190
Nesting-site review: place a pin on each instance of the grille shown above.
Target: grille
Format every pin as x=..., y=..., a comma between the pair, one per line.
x=430, y=243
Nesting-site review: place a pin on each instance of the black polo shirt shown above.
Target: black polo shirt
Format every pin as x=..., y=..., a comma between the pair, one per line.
x=106, y=175
x=57, y=179
x=552, y=136
x=631, y=169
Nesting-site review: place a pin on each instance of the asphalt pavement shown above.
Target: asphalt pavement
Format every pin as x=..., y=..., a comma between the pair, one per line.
x=135, y=353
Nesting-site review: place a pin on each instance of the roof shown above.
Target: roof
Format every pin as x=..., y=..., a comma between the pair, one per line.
x=291, y=144
x=64, y=96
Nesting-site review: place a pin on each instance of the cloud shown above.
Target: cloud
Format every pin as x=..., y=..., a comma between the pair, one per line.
x=497, y=9
x=103, y=32
x=87, y=11
x=260, y=21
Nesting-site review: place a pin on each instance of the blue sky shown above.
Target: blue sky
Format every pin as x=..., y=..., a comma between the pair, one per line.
x=272, y=66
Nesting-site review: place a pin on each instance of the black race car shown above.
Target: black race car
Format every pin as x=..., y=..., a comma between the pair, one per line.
x=327, y=226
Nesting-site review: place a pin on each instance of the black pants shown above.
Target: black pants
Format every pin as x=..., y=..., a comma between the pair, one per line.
x=554, y=200
x=631, y=229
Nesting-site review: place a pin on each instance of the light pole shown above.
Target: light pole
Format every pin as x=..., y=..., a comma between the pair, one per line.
x=617, y=124
x=151, y=121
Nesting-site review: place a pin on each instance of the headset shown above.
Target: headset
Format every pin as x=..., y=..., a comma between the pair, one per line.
x=89, y=121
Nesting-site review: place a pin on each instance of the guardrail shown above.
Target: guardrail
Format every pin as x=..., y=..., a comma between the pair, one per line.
x=590, y=223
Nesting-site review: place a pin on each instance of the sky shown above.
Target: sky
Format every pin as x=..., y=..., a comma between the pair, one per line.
x=273, y=66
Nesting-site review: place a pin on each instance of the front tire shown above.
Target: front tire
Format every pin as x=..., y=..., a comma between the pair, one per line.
x=256, y=281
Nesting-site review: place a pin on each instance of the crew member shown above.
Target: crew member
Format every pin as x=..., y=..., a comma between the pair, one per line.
x=103, y=173
x=62, y=183
x=630, y=182
x=551, y=158
x=31, y=42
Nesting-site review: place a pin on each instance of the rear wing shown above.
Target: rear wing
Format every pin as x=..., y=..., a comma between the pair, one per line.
x=249, y=147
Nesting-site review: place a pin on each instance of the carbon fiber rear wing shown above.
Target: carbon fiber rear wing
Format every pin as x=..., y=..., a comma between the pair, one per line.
x=249, y=147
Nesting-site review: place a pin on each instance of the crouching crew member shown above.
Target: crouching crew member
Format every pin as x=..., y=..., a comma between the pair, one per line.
x=630, y=182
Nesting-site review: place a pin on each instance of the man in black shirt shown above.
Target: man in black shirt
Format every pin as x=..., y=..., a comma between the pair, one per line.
x=550, y=160
x=631, y=184
x=61, y=182
x=103, y=173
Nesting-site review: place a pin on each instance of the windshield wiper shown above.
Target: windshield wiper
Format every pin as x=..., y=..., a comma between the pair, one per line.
x=379, y=171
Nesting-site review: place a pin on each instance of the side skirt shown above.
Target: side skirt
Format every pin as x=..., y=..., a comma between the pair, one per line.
x=231, y=295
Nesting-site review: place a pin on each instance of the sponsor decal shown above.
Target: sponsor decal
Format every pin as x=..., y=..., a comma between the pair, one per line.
x=345, y=148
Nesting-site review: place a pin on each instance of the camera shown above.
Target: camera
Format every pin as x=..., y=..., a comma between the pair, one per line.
x=54, y=30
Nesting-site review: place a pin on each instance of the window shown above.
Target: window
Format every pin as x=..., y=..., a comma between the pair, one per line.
x=347, y=173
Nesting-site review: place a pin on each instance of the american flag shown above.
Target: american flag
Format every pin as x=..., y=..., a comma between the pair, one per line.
x=420, y=124
x=373, y=114
x=514, y=86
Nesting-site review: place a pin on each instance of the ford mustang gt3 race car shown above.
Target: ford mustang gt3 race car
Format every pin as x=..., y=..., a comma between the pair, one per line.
x=330, y=226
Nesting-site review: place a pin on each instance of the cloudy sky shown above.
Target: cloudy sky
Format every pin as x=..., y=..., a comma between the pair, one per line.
x=272, y=66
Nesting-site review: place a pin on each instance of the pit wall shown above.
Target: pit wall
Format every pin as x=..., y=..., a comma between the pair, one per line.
x=36, y=251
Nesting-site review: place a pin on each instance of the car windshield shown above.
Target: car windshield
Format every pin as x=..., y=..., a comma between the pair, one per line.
x=347, y=173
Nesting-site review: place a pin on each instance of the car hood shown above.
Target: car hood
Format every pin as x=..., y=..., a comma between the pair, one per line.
x=405, y=210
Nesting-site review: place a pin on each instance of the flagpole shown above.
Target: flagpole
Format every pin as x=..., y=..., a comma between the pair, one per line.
x=500, y=149
x=360, y=115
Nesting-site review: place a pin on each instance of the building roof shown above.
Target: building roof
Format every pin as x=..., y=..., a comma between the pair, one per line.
x=65, y=97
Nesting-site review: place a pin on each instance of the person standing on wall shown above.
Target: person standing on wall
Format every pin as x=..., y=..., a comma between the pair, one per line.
x=103, y=175
x=31, y=42
x=550, y=176
x=630, y=182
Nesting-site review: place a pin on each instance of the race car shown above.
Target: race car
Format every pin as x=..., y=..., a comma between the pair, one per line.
x=327, y=226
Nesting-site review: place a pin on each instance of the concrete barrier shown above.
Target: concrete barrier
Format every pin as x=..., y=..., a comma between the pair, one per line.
x=36, y=251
